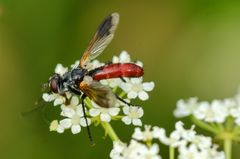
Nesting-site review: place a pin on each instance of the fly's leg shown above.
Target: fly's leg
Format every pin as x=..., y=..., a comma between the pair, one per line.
x=122, y=100
x=85, y=117
x=78, y=92
x=123, y=79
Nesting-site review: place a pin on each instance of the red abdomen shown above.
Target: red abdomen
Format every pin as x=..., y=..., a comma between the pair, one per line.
x=118, y=70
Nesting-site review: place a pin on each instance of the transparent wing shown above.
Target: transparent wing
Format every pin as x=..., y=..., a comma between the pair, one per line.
x=100, y=94
x=100, y=40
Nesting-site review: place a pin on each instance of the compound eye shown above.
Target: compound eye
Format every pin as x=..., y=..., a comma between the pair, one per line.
x=53, y=84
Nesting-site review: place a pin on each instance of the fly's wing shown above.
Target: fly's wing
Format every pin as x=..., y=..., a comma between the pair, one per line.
x=100, y=94
x=100, y=40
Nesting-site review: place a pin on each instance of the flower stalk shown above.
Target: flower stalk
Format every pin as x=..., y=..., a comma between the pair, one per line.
x=204, y=125
x=110, y=131
x=171, y=152
x=228, y=148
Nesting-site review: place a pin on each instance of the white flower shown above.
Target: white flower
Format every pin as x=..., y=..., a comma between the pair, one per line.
x=135, y=88
x=57, y=98
x=124, y=57
x=202, y=142
x=133, y=114
x=113, y=82
x=74, y=120
x=59, y=69
x=220, y=111
x=53, y=125
x=152, y=152
x=134, y=150
x=190, y=145
x=105, y=113
x=185, y=108
x=95, y=64
x=139, y=63
x=190, y=152
x=75, y=65
x=116, y=152
x=74, y=102
x=148, y=134
x=179, y=136
x=214, y=112
x=204, y=112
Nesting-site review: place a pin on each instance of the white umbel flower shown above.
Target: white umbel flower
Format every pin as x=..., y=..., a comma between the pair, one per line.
x=191, y=145
x=214, y=112
x=74, y=120
x=105, y=113
x=148, y=134
x=134, y=150
x=57, y=98
x=124, y=57
x=185, y=108
x=133, y=115
x=135, y=88
x=74, y=102
x=59, y=69
x=53, y=125
x=114, y=82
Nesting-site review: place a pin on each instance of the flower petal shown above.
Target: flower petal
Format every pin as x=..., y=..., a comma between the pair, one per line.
x=74, y=101
x=60, y=129
x=113, y=111
x=139, y=63
x=143, y=95
x=94, y=112
x=126, y=110
x=115, y=59
x=124, y=57
x=65, y=123
x=105, y=117
x=53, y=126
x=137, y=122
x=68, y=112
x=125, y=86
x=136, y=80
x=132, y=95
x=126, y=120
x=148, y=86
x=140, y=112
x=75, y=129
x=104, y=82
x=58, y=101
x=60, y=69
x=46, y=97
x=83, y=122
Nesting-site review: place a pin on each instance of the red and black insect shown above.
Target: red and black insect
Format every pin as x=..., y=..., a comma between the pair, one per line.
x=84, y=82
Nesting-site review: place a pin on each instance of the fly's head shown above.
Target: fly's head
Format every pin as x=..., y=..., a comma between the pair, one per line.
x=55, y=83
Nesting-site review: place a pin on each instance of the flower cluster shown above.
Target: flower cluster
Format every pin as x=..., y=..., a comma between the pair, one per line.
x=139, y=147
x=189, y=144
x=127, y=89
x=134, y=150
x=217, y=111
x=186, y=141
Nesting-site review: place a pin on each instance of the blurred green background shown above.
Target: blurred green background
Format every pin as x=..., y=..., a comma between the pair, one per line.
x=189, y=48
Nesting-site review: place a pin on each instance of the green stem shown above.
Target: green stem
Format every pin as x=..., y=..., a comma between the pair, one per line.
x=171, y=152
x=204, y=125
x=228, y=148
x=110, y=131
x=122, y=94
x=229, y=123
